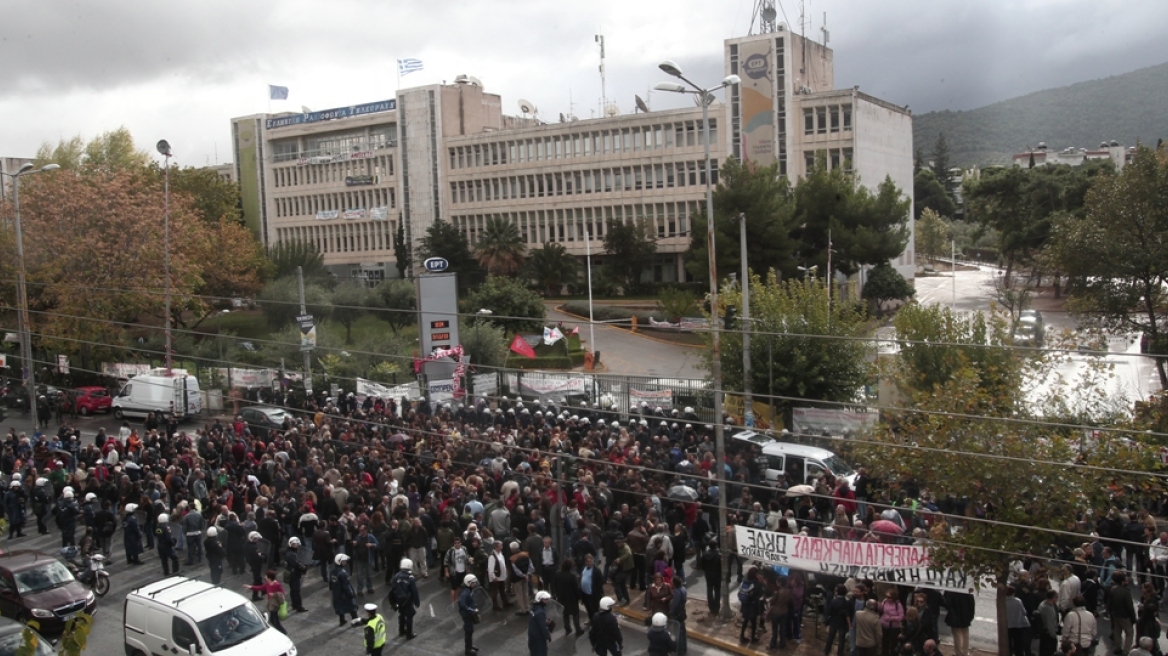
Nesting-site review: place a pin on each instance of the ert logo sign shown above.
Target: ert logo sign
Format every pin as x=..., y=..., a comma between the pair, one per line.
x=436, y=264
x=755, y=66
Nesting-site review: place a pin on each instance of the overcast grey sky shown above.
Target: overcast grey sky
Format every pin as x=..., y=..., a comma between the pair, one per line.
x=181, y=69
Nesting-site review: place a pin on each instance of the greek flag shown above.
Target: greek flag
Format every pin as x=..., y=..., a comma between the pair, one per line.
x=277, y=93
x=407, y=66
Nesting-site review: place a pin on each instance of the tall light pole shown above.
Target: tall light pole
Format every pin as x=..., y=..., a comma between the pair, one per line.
x=164, y=149
x=706, y=96
x=747, y=400
x=25, y=327
x=588, y=261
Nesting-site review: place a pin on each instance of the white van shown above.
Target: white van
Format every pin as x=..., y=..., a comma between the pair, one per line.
x=180, y=615
x=802, y=463
x=159, y=391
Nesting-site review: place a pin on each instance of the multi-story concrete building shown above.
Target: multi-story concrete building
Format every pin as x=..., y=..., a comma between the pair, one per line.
x=346, y=178
x=1072, y=156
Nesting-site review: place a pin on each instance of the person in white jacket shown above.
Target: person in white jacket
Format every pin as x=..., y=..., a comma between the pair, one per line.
x=497, y=571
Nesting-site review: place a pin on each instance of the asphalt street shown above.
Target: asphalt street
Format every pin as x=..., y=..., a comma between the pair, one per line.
x=623, y=352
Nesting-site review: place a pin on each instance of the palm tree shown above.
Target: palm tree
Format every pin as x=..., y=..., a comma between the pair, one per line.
x=551, y=267
x=500, y=249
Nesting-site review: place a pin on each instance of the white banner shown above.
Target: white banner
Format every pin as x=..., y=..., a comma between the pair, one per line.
x=369, y=388
x=817, y=421
x=528, y=384
x=124, y=369
x=249, y=378
x=379, y=213
x=353, y=214
x=325, y=215
x=659, y=399
x=441, y=391
x=486, y=385
x=895, y=563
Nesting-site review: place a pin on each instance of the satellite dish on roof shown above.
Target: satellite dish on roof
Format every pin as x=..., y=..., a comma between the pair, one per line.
x=562, y=119
x=641, y=104
x=768, y=14
x=527, y=107
x=611, y=109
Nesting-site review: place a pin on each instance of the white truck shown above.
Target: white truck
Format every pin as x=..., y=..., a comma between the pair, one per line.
x=178, y=615
x=159, y=391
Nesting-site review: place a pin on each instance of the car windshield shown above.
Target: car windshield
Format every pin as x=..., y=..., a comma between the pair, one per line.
x=230, y=628
x=10, y=642
x=838, y=466
x=44, y=577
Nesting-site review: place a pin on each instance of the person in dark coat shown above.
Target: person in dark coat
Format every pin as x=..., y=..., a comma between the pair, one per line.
x=538, y=632
x=165, y=542
x=14, y=510
x=404, y=598
x=236, y=540
x=959, y=613
x=215, y=552
x=605, y=634
x=41, y=500
x=296, y=570
x=567, y=591
x=469, y=612
x=67, y=513
x=257, y=562
x=132, y=535
x=591, y=586
x=660, y=642
x=344, y=596
x=322, y=550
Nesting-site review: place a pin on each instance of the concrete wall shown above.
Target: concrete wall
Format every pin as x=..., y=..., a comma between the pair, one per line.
x=883, y=138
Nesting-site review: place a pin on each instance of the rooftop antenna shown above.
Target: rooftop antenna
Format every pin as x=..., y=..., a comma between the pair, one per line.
x=826, y=33
x=603, y=92
x=766, y=16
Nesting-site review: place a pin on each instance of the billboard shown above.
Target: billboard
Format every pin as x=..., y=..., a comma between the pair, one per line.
x=438, y=319
x=757, y=100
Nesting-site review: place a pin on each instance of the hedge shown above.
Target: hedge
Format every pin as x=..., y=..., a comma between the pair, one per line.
x=609, y=313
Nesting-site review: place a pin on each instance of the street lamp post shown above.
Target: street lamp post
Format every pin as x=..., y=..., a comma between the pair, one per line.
x=588, y=261
x=483, y=312
x=25, y=327
x=164, y=149
x=747, y=400
x=705, y=96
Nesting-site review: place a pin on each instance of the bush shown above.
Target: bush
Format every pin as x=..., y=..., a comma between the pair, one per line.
x=609, y=313
x=676, y=303
x=545, y=362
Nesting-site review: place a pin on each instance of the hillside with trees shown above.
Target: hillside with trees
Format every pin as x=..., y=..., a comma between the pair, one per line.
x=1126, y=108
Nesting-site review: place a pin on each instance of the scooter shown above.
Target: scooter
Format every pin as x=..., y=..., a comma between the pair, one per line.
x=90, y=572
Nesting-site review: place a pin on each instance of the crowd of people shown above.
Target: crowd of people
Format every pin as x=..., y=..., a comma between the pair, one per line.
x=531, y=500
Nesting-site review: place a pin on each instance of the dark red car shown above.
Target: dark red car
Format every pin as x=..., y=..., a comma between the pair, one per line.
x=37, y=586
x=92, y=399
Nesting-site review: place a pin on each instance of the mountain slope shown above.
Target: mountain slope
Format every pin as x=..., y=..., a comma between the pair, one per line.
x=1123, y=108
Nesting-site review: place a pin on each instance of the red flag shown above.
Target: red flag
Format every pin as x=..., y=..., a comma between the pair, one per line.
x=575, y=331
x=520, y=346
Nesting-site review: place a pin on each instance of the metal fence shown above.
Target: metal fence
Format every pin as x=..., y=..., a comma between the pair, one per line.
x=613, y=392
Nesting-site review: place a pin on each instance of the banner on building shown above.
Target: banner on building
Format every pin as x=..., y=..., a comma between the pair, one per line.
x=327, y=215
x=757, y=100
x=123, y=369
x=825, y=421
x=486, y=385
x=379, y=213
x=896, y=563
x=656, y=399
x=353, y=214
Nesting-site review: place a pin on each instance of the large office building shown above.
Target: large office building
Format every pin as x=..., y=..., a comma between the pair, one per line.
x=346, y=178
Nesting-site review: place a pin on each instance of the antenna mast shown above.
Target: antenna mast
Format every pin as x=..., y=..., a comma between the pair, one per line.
x=766, y=17
x=603, y=92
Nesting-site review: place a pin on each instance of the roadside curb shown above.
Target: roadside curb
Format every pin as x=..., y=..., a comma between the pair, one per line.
x=690, y=633
x=561, y=310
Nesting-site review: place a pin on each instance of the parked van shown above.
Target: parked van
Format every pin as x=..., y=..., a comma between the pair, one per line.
x=181, y=615
x=802, y=463
x=159, y=391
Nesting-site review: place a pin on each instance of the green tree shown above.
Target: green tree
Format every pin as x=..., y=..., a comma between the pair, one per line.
x=280, y=301
x=287, y=255
x=515, y=308
x=929, y=193
x=500, y=249
x=486, y=342
x=766, y=199
x=676, y=303
x=940, y=164
x=1116, y=256
x=885, y=284
x=630, y=248
x=551, y=267
x=931, y=235
x=792, y=321
x=444, y=239
x=401, y=250
x=111, y=151
x=865, y=228
x=349, y=303
x=214, y=197
x=398, y=299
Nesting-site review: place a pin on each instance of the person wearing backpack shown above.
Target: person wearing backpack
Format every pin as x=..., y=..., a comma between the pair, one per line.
x=750, y=596
x=404, y=598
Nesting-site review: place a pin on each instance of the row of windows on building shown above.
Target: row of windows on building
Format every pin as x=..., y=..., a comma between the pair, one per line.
x=342, y=237
x=573, y=224
x=666, y=175
x=335, y=143
x=827, y=119
x=834, y=158
x=308, y=205
x=682, y=134
x=380, y=167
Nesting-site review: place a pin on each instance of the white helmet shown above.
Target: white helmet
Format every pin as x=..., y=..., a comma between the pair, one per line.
x=164, y=518
x=293, y=543
x=14, y=484
x=406, y=564
x=252, y=537
x=67, y=493
x=470, y=580
x=17, y=477
x=90, y=497
x=341, y=559
x=542, y=596
x=131, y=507
x=42, y=481
x=659, y=619
x=212, y=532
x=607, y=603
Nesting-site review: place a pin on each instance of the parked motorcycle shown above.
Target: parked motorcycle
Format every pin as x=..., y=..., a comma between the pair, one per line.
x=91, y=571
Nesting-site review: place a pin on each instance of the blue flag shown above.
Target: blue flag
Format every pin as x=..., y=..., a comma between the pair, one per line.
x=277, y=93
x=407, y=66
